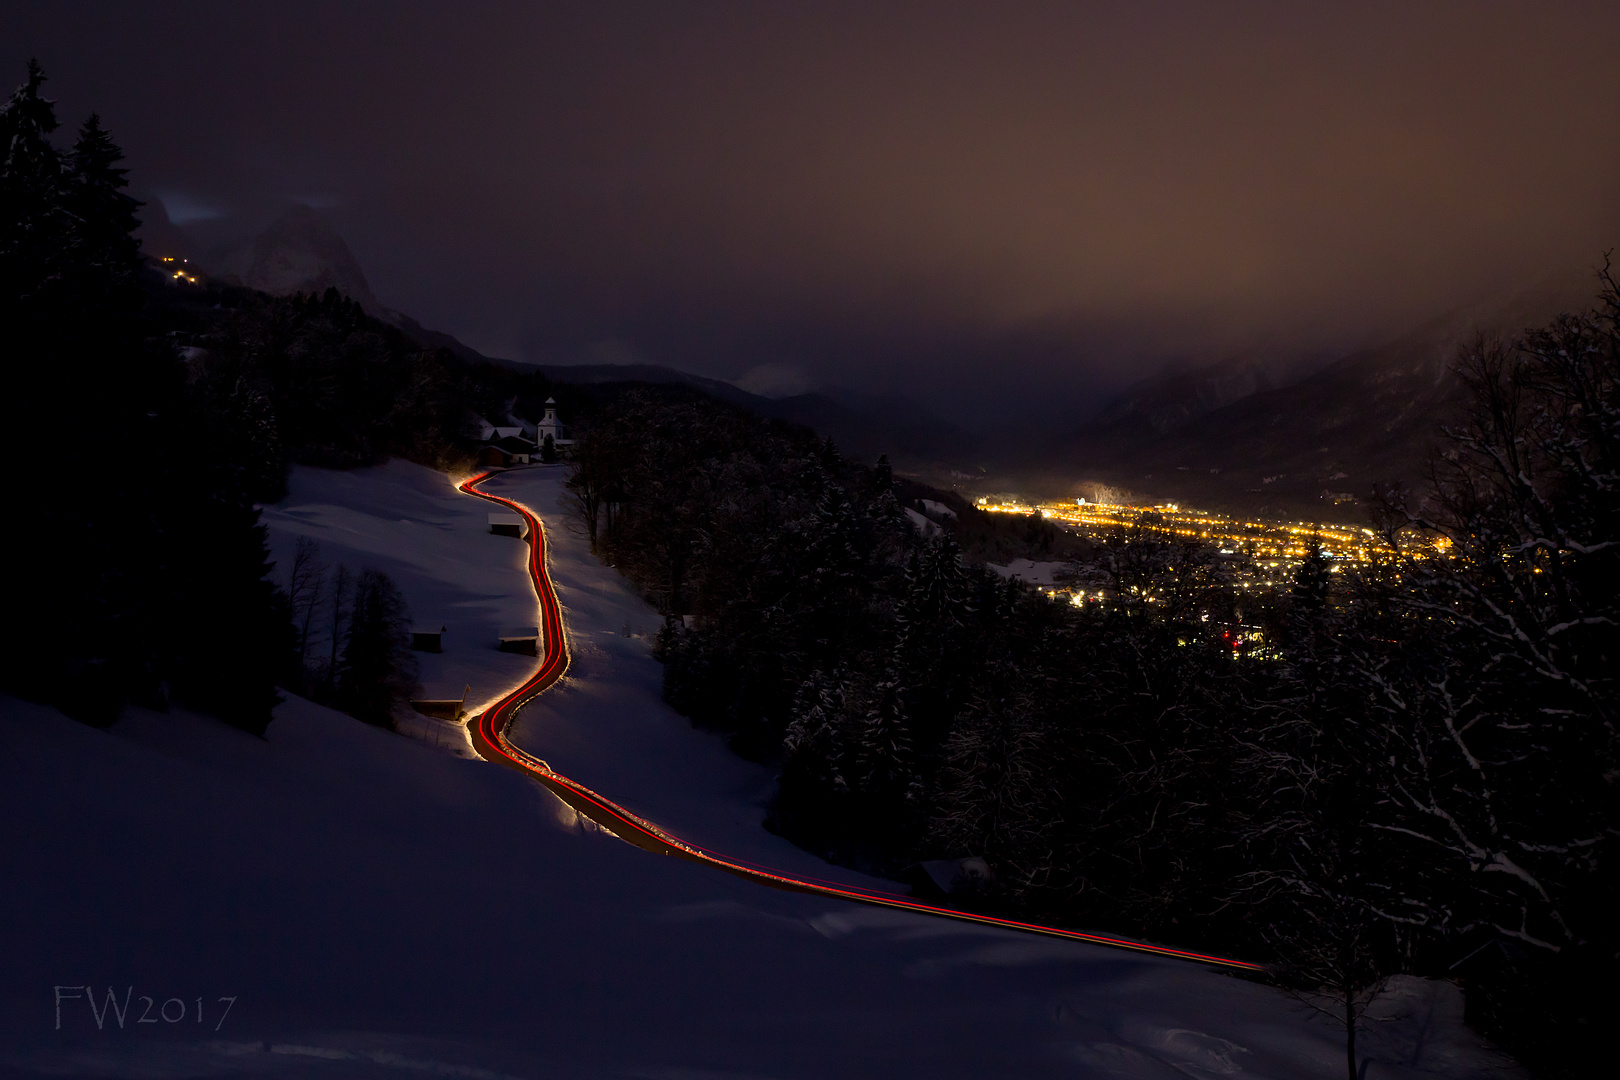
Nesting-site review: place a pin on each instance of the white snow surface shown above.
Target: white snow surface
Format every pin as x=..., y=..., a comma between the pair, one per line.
x=924, y=525
x=379, y=906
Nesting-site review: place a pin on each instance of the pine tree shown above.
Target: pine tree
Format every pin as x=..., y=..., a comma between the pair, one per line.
x=104, y=220
x=883, y=474
x=33, y=228
x=1311, y=581
x=33, y=224
x=230, y=629
x=376, y=671
x=997, y=797
x=813, y=804
x=937, y=584
x=885, y=759
x=830, y=584
x=831, y=460
x=833, y=550
x=254, y=439
x=928, y=654
x=815, y=746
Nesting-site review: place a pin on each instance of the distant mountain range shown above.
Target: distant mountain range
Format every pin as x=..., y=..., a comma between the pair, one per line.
x=301, y=252
x=1272, y=434
x=1222, y=437
x=862, y=427
x=1164, y=402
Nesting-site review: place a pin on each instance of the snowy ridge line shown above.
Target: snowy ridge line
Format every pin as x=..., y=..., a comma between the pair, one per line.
x=488, y=732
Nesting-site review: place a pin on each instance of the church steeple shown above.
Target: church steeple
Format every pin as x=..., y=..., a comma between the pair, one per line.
x=550, y=425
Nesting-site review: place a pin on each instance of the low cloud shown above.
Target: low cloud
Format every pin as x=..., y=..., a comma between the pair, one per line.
x=1032, y=202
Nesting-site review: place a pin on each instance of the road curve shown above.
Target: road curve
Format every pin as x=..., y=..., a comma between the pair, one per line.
x=488, y=732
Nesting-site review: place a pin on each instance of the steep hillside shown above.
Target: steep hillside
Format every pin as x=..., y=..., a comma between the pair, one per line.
x=1168, y=401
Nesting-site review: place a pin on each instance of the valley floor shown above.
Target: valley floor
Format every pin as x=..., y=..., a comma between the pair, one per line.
x=378, y=906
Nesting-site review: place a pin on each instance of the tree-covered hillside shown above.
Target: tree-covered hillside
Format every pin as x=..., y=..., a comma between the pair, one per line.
x=1404, y=769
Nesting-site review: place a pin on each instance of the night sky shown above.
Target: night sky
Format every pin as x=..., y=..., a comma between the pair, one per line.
x=1003, y=208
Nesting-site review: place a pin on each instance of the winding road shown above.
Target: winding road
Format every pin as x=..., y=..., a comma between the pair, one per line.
x=488, y=732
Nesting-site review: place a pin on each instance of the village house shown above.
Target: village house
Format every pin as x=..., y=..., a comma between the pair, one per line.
x=506, y=445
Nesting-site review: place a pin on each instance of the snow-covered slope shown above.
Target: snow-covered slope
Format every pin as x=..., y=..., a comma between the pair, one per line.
x=378, y=907
x=435, y=543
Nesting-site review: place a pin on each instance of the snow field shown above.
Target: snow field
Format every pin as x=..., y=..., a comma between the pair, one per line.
x=381, y=907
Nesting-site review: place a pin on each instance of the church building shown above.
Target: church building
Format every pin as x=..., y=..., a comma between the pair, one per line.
x=550, y=425
x=519, y=445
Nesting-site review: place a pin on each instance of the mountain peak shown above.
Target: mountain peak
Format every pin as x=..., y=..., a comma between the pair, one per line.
x=160, y=236
x=299, y=252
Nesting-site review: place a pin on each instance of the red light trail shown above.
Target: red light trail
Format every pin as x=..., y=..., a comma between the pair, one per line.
x=488, y=731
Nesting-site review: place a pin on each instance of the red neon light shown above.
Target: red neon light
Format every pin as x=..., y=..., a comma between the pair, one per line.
x=488, y=732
